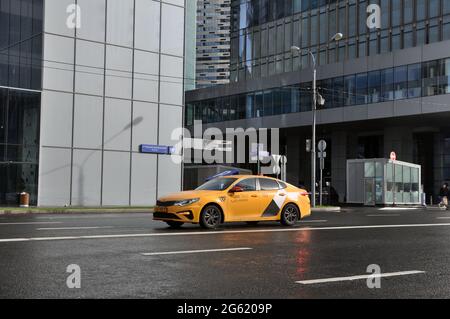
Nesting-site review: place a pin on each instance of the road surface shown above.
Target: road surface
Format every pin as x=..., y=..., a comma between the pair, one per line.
x=131, y=256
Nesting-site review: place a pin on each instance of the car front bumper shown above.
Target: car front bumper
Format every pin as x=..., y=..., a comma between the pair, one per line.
x=186, y=214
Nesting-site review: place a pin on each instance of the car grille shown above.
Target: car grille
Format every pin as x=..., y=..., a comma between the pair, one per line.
x=165, y=204
x=165, y=216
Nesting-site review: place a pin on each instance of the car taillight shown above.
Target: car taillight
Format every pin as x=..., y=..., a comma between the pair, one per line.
x=304, y=194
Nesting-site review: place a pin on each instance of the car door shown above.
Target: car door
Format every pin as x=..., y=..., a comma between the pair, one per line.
x=243, y=205
x=272, y=197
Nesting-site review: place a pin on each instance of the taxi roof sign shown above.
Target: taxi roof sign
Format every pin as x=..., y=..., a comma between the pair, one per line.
x=230, y=172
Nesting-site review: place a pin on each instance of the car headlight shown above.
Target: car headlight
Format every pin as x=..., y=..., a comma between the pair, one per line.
x=186, y=202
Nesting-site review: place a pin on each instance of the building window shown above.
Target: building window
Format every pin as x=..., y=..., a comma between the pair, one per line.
x=268, y=103
x=305, y=97
x=387, y=84
x=444, y=81
x=250, y=106
x=277, y=101
x=189, y=114
x=414, y=80
x=19, y=145
x=361, y=88
x=21, y=43
x=430, y=73
x=350, y=90
x=408, y=11
x=259, y=104
x=401, y=82
x=338, y=92
x=374, y=83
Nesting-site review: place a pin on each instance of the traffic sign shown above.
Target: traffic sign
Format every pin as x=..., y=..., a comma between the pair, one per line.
x=322, y=146
x=393, y=156
x=156, y=149
x=322, y=154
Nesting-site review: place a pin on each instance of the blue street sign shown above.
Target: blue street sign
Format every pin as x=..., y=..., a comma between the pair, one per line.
x=156, y=149
x=172, y=150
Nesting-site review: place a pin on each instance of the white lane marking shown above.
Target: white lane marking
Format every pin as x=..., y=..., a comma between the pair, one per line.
x=195, y=251
x=442, y=217
x=398, y=208
x=384, y=215
x=30, y=223
x=351, y=278
x=75, y=228
x=312, y=221
x=6, y=240
x=97, y=216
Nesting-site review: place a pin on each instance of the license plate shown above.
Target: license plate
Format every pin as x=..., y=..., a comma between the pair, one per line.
x=161, y=209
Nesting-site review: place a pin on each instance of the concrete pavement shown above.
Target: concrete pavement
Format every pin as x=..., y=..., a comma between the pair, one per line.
x=131, y=256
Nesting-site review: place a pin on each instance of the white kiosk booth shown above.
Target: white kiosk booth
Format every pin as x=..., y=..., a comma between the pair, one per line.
x=383, y=182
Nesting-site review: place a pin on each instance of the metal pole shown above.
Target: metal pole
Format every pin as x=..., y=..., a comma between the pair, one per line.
x=257, y=154
x=394, y=188
x=321, y=185
x=313, y=146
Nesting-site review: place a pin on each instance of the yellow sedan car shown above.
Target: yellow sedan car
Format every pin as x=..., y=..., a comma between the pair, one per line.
x=242, y=198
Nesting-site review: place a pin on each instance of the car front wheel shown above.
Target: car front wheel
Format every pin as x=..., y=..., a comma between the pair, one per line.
x=211, y=217
x=290, y=215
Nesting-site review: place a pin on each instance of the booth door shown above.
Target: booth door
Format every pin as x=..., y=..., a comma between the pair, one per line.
x=369, y=192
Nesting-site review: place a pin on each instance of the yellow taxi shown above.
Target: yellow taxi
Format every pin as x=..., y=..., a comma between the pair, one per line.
x=241, y=198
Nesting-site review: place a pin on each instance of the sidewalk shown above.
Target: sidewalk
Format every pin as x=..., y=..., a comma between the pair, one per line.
x=73, y=210
x=326, y=209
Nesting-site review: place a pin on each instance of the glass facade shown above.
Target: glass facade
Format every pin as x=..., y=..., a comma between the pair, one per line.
x=19, y=144
x=402, y=82
x=21, y=29
x=263, y=31
x=21, y=43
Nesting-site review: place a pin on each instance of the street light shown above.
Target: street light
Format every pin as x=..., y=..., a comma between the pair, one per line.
x=336, y=37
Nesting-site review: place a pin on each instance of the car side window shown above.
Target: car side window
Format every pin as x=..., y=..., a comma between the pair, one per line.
x=268, y=184
x=248, y=185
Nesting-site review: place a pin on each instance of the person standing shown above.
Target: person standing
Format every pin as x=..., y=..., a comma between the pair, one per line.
x=444, y=194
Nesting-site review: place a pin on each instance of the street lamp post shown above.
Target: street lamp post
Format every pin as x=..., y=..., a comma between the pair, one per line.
x=336, y=37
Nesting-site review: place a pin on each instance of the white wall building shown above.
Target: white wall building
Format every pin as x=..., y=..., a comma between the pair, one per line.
x=108, y=86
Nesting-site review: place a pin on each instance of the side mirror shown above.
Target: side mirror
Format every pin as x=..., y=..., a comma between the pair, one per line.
x=236, y=189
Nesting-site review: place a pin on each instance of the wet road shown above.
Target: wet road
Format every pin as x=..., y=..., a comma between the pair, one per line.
x=131, y=256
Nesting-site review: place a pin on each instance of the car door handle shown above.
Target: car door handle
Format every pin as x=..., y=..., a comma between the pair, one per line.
x=254, y=195
x=282, y=194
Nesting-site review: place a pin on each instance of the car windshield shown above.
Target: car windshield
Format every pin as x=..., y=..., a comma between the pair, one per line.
x=217, y=184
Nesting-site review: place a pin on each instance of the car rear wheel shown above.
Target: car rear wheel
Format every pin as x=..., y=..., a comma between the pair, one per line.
x=290, y=215
x=211, y=217
x=173, y=224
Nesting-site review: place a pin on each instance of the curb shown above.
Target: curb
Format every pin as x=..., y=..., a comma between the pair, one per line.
x=73, y=211
x=326, y=210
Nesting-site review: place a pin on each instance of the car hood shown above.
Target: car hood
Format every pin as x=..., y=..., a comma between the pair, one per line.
x=187, y=195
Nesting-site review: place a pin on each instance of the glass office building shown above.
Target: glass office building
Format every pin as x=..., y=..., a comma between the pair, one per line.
x=385, y=89
x=263, y=31
x=213, y=42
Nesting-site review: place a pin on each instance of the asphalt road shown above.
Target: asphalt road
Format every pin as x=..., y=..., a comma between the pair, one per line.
x=131, y=256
